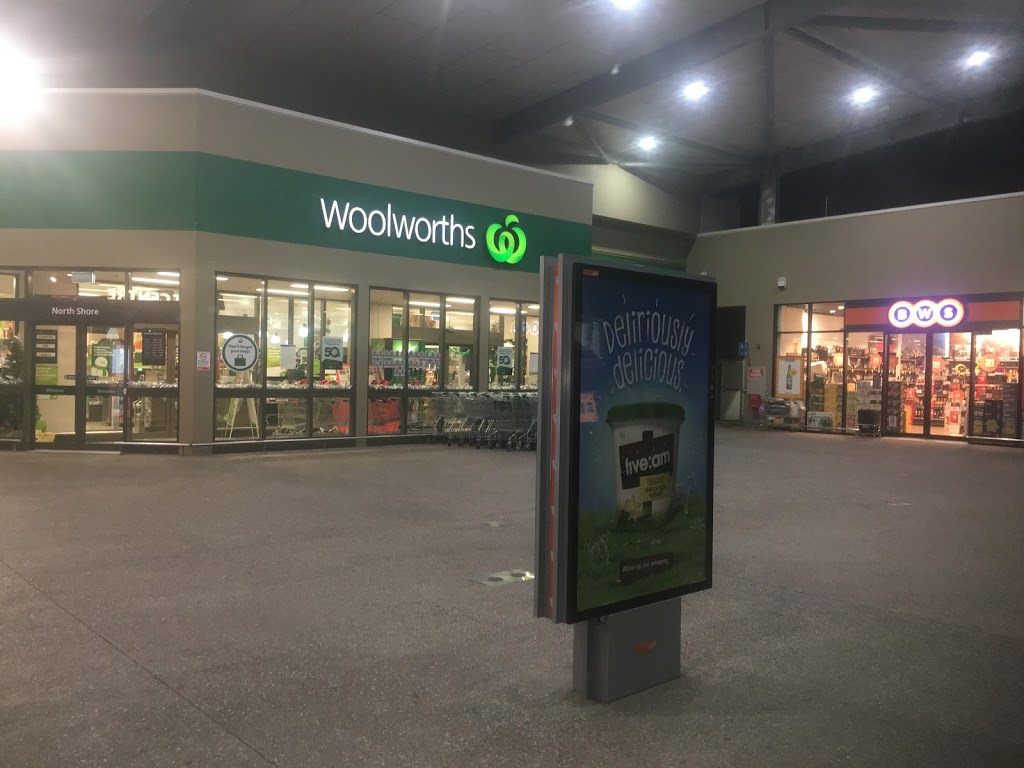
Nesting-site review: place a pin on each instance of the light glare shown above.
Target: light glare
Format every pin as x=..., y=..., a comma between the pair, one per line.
x=864, y=95
x=648, y=143
x=978, y=58
x=696, y=90
x=625, y=5
x=21, y=85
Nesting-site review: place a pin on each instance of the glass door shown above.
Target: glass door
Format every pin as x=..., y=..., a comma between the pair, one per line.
x=906, y=384
x=78, y=386
x=950, y=384
x=55, y=373
x=104, y=387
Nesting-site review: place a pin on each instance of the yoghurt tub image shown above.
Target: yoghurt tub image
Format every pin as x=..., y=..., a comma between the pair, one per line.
x=646, y=441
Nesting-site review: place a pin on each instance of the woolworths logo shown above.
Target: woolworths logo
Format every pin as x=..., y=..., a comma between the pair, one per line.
x=399, y=226
x=507, y=243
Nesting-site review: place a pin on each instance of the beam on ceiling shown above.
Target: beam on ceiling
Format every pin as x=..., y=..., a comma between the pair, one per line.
x=725, y=155
x=935, y=26
x=769, y=86
x=581, y=129
x=884, y=74
x=940, y=118
x=673, y=60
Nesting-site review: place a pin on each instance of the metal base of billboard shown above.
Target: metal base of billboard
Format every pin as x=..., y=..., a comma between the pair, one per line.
x=625, y=653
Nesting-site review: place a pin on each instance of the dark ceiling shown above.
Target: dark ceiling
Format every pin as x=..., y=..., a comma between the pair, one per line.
x=501, y=76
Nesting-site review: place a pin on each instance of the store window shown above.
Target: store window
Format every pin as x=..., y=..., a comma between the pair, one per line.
x=90, y=284
x=530, y=331
x=425, y=330
x=164, y=285
x=287, y=335
x=825, y=390
x=997, y=393
x=502, y=337
x=863, y=362
x=388, y=313
x=12, y=369
x=460, y=342
x=239, y=314
x=332, y=340
x=297, y=338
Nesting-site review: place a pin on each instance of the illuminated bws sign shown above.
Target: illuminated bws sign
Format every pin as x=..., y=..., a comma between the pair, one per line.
x=926, y=313
x=381, y=223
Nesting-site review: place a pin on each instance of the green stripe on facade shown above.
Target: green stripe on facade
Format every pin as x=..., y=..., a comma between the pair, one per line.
x=188, y=191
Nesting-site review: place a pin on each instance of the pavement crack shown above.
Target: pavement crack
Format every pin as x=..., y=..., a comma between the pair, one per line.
x=139, y=664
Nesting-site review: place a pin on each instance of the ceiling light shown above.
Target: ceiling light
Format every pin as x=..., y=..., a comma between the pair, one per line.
x=864, y=95
x=299, y=285
x=332, y=288
x=456, y=300
x=978, y=58
x=616, y=69
x=502, y=311
x=568, y=122
x=533, y=306
x=431, y=304
x=283, y=292
x=154, y=280
x=53, y=279
x=831, y=311
x=648, y=143
x=625, y=5
x=696, y=90
x=169, y=274
x=221, y=278
x=841, y=306
x=21, y=86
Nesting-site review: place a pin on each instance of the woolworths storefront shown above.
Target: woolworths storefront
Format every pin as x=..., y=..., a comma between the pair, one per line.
x=187, y=272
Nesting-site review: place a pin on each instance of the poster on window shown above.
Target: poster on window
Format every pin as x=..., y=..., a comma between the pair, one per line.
x=789, y=377
x=640, y=506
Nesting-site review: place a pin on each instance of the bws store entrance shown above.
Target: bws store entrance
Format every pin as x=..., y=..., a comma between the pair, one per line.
x=952, y=366
x=99, y=372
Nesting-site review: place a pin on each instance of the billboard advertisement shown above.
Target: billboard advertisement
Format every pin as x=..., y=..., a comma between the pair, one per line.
x=640, y=469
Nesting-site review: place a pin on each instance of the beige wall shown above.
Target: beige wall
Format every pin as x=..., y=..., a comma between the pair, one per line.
x=247, y=131
x=973, y=246
x=621, y=195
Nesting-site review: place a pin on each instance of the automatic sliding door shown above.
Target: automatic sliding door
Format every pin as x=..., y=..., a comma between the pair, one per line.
x=55, y=374
x=105, y=361
x=905, y=401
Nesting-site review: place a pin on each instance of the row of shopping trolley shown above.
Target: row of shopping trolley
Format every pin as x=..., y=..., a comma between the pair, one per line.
x=487, y=420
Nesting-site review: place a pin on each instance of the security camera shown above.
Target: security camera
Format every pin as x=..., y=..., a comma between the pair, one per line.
x=781, y=283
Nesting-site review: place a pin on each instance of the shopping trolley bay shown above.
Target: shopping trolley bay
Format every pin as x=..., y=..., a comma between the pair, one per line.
x=487, y=420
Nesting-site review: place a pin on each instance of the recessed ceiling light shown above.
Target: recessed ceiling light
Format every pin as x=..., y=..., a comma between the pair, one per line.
x=615, y=69
x=864, y=95
x=842, y=306
x=21, y=87
x=696, y=90
x=978, y=58
x=568, y=122
x=625, y=5
x=648, y=143
x=169, y=274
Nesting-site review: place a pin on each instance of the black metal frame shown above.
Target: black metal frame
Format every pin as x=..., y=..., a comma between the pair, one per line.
x=405, y=394
x=125, y=390
x=308, y=394
x=522, y=355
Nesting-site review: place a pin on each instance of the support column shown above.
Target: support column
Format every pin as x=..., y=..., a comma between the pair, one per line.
x=198, y=328
x=483, y=341
x=768, y=206
x=360, y=362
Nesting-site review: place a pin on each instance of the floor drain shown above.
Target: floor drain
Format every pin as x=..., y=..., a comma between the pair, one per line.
x=501, y=578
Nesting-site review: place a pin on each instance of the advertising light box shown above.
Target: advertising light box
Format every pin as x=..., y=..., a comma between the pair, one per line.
x=631, y=441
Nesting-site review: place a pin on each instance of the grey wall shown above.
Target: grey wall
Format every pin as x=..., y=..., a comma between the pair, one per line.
x=972, y=246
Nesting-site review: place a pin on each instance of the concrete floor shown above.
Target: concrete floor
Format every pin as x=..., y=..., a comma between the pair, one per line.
x=318, y=610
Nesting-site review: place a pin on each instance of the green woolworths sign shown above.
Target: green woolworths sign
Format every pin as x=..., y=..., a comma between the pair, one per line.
x=208, y=193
